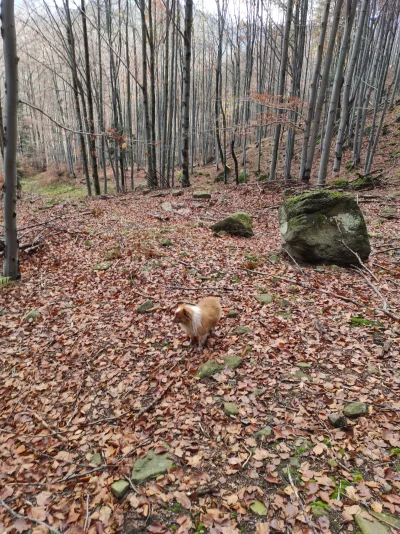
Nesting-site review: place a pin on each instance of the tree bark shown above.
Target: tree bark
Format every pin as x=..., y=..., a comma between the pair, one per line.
x=187, y=54
x=11, y=263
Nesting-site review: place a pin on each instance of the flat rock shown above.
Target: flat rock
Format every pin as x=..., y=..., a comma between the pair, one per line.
x=230, y=408
x=266, y=431
x=236, y=224
x=371, y=527
x=388, y=518
x=166, y=206
x=300, y=374
x=232, y=314
x=176, y=193
x=310, y=223
x=165, y=243
x=202, y=195
x=259, y=508
x=355, y=409
x=232, y=362
x=102, y=266
x=337, y=420
x=264, y=298
x=146, y=306
x=303, y=365
x=32, y=315
x=119, y=488
x=150, y=466
x=242, y=330
x=208, y=369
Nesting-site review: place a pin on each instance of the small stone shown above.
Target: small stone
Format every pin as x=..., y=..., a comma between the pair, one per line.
x=146, y=191
x=32, y=315
x=303, y=365
x=355, y=409
x=334, y=267
x=208, y=369
x=160, y=194
x=166, y=243
x=176, y=193
x=300, y=374
x=202, y=195
x=266, y=431
x=232, y=314
x=150, y=466
x=283, y=303
x=230, y=408
x=242, y=330
x=258, y=392
x=236, y=224
x=166, y=206
x=388, y=213
x=337, y=420
x=372, y=370
x=259, y=508
x=264, y=298
x=146, y=306
x=294, y=462
x=232, y=362
x=332, y=462
x=102, y=266
x=96, y=459
x=119, y=488
x=319, y=511
x=386, y=488
x=293, y=289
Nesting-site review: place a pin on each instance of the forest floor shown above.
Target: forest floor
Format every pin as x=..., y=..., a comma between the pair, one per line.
x=88, y=385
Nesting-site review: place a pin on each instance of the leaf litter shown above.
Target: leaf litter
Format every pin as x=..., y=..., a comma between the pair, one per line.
x=89, y=385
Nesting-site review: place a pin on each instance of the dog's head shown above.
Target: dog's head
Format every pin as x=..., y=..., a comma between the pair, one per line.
x=181, y=314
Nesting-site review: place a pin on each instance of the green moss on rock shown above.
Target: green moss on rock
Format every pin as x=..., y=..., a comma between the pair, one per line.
x=237, y=224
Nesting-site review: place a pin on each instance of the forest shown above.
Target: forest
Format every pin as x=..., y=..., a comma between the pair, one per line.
x=158, y=152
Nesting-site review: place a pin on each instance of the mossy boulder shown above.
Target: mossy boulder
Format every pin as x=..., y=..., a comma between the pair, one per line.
x=202, y=195
x=355, y=409
x=238, y=224
x=322, y=226
x=366, y=182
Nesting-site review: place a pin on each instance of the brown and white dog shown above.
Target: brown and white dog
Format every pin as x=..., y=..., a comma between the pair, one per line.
x=199, y=320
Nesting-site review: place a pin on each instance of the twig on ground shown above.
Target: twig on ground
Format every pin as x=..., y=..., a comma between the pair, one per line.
x=248, y=458
x=384, y=251
x=53, y=530
x=308, y=520
x=293, y=260
x=159, y=217
x=85, y=526
x=100, y=468
x=131, y=485
x=201, y=288
x=376, y=290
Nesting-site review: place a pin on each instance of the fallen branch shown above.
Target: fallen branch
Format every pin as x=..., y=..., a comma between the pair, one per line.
x=384, y=251
x=385, y=305
x=29, y=518
x=308, y=520
x=159, y=217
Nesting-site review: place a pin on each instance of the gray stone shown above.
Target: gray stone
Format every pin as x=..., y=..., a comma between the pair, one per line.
x=266, y=431
x=258, y=392
x=208, y=369
x=165, y=243
x=232, y=314
x=300, y=374
x=232, y=362
x=387, y=518
x=97, y=459
x=294, y=462
x=150, y=466
x=32, y=315
x=237, y=224
x=102, y=266
x=371, y=527
x=283, y=303
x=388, y=213
x=259, y=508
x=264, y=298
x=303, y=365
x=372, y=370
x=202, y=195
x=230, y=408
x=166, y=206
x=293, y=289
x=119, y=488
x=387, y=488
x=241, y=330
x=337, y=420
x=176, y=193
x=355, y=409
x=146, y=306
x=309, y=228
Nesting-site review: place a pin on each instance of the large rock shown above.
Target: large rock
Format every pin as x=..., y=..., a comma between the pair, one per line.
x=238, y=223
x=309, y=228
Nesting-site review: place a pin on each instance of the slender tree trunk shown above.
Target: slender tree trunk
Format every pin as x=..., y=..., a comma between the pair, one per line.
x=100, y=101
x=281, y=88
x=351, y=6
x=92, y=139
x=8, y=33
x=187, y=43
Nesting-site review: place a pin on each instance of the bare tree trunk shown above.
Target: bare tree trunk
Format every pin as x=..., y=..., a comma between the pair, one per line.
x=281, y=87
x=187, y=43
x=92, y=139
x=350, y=13
x=11, y=263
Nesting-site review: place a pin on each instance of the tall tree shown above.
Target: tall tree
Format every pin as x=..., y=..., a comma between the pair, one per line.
x=187, y=54
x=8, y=33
